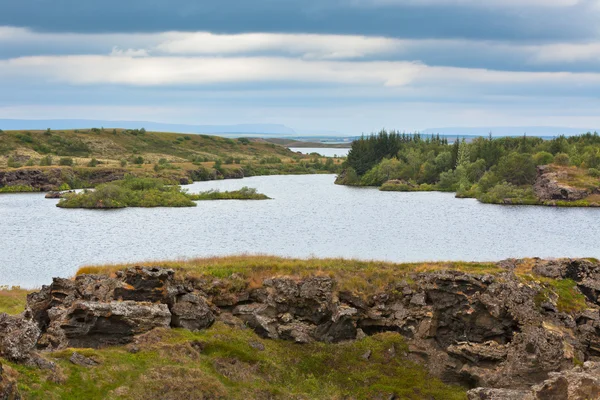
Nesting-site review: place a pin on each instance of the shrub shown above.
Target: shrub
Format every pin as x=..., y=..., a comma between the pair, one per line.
x=66, y=161
x=139, y=160
x=93, y=163
x=594, y=172
x=517, y=168
x=123, y=162
x=14, y=163
x=46, y=161
x=543, y=158
x=562, y=159
x=244, y=141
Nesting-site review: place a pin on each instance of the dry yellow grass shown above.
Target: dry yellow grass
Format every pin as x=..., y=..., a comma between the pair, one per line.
x=359, y=276
x=12, y=300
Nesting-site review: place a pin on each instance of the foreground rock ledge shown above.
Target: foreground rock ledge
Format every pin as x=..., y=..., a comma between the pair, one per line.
x=498, y=334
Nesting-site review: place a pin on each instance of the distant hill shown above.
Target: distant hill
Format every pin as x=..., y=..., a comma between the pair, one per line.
x=57, y=124
x=545, y=131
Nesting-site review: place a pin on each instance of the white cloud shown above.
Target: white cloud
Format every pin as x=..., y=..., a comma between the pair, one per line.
x=566, y=53
x=307, y=45
x=118, y=52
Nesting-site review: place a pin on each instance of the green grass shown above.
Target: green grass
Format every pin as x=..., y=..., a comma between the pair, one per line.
x=13, y=300
x=244, y=193
x=228, y=367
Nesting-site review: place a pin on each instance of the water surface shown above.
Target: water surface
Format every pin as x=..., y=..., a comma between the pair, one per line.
x=308, y=216
x=325, y=152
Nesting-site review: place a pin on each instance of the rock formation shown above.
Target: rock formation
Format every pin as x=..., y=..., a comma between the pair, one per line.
x=498, y=333
x=548, y=187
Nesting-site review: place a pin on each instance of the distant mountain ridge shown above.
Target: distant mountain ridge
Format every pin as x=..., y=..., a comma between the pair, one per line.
x=508, y=131
x=57, y=124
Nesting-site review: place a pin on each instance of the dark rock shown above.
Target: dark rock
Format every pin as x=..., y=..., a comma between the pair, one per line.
x=95, y=324
x=18, y=337
x=191, y=312
x=146, y=284
x=82, y=361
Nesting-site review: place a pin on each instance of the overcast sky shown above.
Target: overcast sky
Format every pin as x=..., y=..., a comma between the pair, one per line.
x=346, y=65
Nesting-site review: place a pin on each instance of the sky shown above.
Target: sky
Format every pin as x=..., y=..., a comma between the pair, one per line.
x=350, y=66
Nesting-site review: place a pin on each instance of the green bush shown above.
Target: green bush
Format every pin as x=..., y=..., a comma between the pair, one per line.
x=14, y=163
x=244, y=193
x=46, y=161
x=543, y=158
x=66, y=161
x=594, y=172
x=123, y=162
x=93, y=163
x=139, y=160
x=562, y=159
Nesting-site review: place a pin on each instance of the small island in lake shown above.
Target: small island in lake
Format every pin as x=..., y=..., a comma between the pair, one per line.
x=147, y=192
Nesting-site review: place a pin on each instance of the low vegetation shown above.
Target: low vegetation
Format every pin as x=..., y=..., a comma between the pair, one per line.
x=129, y=192
x=230, y=363
x=12, y=299
x=244, y=193
x=499, y=170
x=57, y=157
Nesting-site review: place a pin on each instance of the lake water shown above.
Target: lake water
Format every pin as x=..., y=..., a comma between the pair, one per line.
x=308, y=216
x=325, y=152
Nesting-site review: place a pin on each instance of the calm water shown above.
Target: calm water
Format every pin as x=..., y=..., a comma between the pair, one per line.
x=309, y=216
x=325, y=152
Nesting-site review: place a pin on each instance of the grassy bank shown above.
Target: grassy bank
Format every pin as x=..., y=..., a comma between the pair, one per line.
x=231, y=363
x=85, y=158
x=12, y=300
x=244, y=193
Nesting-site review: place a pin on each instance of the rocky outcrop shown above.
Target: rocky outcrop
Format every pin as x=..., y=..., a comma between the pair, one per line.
x=495, y=332
x=580, y=383
x=547, y=187
x=51, y=179
x=18, y=337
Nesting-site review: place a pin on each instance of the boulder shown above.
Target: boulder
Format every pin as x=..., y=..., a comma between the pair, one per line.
x=547, y=187
x=18, y=337
x=146, y=284
x=191, y=312
x=95, y=324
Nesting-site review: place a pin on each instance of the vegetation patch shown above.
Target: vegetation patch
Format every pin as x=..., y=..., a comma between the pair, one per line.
x=129, y=192
x=244, y=193
x=498, y=171
x=18, y=189
x=13, y=299
x=361, y=277
x=569, y=298
x=231, y=363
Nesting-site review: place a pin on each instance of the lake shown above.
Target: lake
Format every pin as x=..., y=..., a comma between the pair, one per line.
x=325, y=152
x=308, y=216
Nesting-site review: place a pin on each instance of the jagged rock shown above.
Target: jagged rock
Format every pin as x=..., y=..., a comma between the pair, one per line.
x=499, y=394
x=479, y=352
x=146, y=284
x=191, y=312
x=548, y=187
x=18, y=337
x=95, y=324
x=576, y=384
x=8, y=385
x=82, y=361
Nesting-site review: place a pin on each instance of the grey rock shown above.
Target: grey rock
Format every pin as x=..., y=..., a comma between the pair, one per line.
x=8, y=386
x=191, y=312
x=81, y=360
x=18, y=337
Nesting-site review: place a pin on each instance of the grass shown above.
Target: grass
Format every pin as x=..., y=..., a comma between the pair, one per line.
x=244, y=193
x=220, y=363
x=362, y=277
x=569, y=298
x=13, y=300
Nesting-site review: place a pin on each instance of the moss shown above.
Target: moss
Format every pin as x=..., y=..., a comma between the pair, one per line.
x=570, y=299
x=228, y=367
